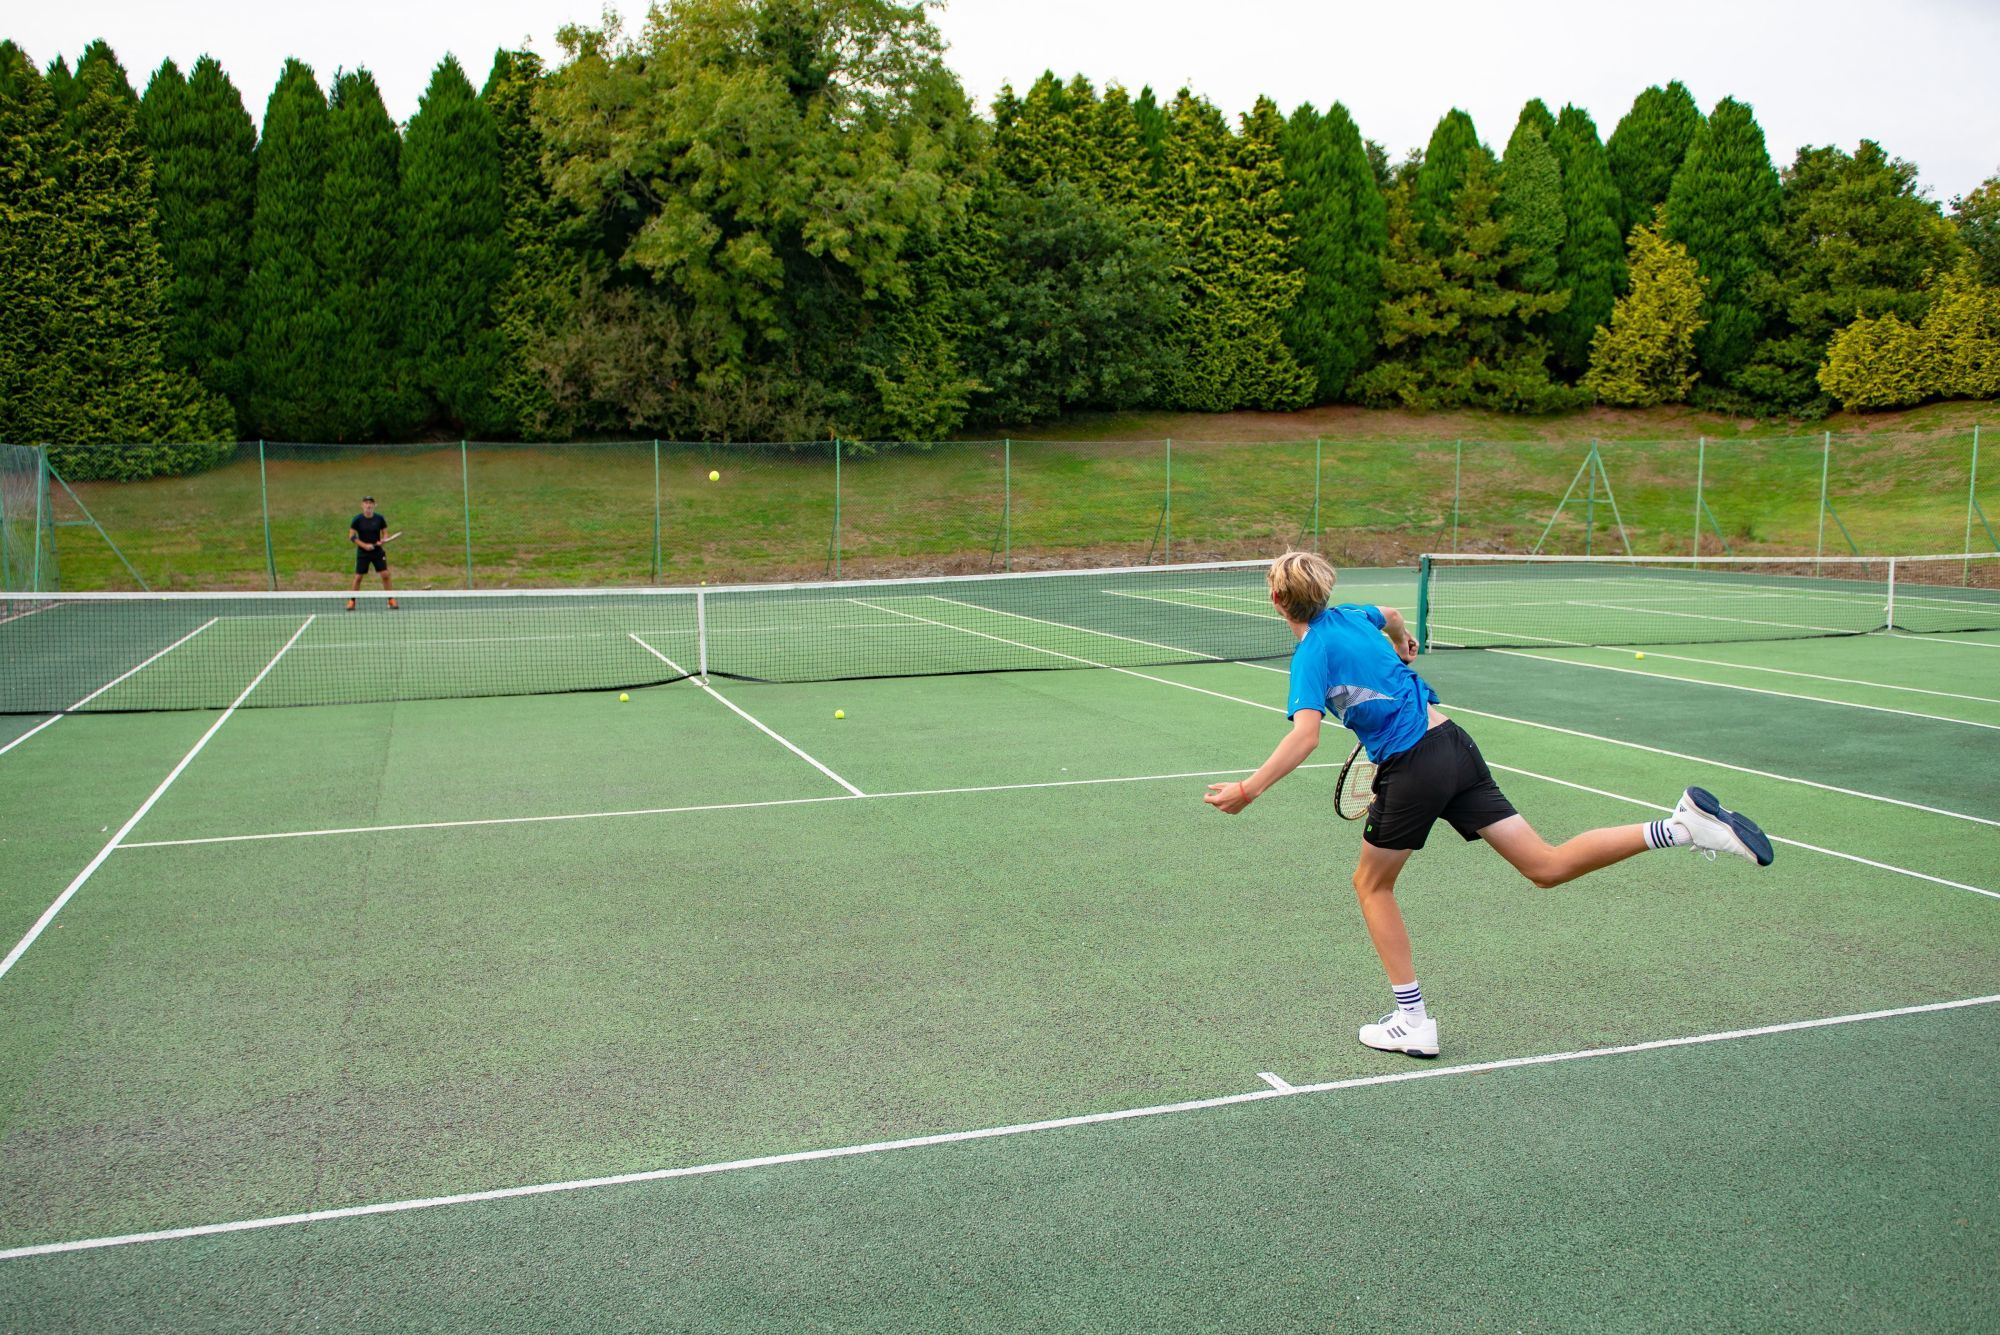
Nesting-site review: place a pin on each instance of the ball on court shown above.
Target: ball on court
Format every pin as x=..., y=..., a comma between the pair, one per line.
x=622, y=697
x=1638, y=655
x=714, y=476
x=840, y=713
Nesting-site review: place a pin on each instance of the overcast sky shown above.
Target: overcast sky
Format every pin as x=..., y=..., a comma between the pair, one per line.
x=1915, y=76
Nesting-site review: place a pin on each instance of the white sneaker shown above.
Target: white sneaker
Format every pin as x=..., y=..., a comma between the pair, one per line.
x=1397, y=1032
x=1716, y=829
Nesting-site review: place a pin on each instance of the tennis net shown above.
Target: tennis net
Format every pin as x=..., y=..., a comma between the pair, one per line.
x=1521, y=601
x=129, y=652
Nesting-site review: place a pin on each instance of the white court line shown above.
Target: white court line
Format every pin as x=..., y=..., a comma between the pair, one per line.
x=1085, y=630
x=711, y=806
x=1194, y=607
x=49, y=914
x=1944, y=638
x=1737, y=621
x=1404, y=1076
x=23, y=616
x=745, y=716
x=1277, y=1082
x=1753, y=690
x=57, y=718
x=1651, y=806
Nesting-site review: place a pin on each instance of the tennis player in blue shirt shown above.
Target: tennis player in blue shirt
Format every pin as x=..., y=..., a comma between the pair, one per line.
x=1353, y=663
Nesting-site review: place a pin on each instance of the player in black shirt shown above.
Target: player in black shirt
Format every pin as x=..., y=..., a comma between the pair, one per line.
x=366, y=534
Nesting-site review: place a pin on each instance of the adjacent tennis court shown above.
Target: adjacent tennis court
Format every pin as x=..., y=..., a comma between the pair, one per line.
x=710, y=1009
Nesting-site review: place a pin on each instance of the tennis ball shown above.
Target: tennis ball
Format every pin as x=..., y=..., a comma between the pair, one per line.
x=622, y=697
x=714, y=476
x=840, y=713
x=1638, y=655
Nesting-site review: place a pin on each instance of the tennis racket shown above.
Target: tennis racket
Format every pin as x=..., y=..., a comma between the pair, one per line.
x=1356, y=788
x=392, y=537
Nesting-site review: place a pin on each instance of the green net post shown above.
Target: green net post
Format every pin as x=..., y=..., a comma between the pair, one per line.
x=264, y=503
x=1825, y=460
x=1316, y=476
x=1007, y=504
x=465, y=490
x=836, y=507
x=656, y=510
x=1457, y=467
x=1423, y=603
x=1700, y=467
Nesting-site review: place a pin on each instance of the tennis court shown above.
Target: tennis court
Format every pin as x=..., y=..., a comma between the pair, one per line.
x=712, y=1010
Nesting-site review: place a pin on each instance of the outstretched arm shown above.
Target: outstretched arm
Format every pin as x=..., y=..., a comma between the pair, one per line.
x=1230, y=798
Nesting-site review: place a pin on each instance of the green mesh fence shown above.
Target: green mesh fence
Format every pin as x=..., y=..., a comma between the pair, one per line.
x=27, y=547
x=274, y=516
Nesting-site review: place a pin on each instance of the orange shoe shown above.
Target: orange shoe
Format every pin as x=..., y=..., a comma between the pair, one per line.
x=392, y=604
x=350, y=604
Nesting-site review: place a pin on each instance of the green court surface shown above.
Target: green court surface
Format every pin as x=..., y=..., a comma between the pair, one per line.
x=963, y=1012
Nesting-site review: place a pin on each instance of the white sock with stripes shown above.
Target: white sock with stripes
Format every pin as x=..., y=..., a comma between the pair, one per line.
x=1667, y=834
x=1410, y=1000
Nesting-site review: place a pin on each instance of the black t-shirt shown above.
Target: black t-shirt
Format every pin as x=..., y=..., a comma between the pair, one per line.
x=369, y=528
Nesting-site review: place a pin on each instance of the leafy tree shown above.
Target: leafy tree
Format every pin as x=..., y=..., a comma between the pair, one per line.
x=1648, y=147
x=1645, y=356
x=761, y=168
x=1452, y=334
x=1536, y=112
x=1978, y=218
x=357, y=250
x=288, y=326
x=1954, y=352
x=1340, y=226
x=1531, y=201
x=1453, y=148
x=84, y=357
x=544, y=271
x=1591, y=264
x=204, y=177
x=1962, y=327
x=454, y=254
x=1855, y=236
x=1722, y=206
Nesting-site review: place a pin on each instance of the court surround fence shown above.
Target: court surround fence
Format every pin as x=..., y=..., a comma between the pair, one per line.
x=274, y=515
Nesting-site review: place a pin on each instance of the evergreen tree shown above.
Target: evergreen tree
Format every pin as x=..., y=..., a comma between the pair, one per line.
x=288, y=330
x=1954, y=352
x=1531, y=201
x=90, y=284
x=1722, y=206
x=1339, y=222
x=1453, y=148
x=454, y=255
x=1648, y=147
x=1645, y=356
x=1855, y=236
x=1591, y=265
x=1152, y=119
x=356, y=245
x=1536, y=112
x=1125, y=170
x=1452, y=334
x=99, y=56
x=1977, y=215
x=543, y=274
x=204, y=178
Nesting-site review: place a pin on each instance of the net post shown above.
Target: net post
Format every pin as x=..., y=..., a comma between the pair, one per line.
x=656, y=509
x=465, y=491
x=1825, y=457
x=701, y=632
x=1700, y=467
x=1423, y=603
x=1971, y=504
x=264, y=500
x=1007, y=503
x=1889, y=613
x=1457, y=466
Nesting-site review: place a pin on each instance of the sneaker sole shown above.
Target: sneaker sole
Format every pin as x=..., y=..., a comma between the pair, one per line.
x=1742, y=827
x=1407, y=1052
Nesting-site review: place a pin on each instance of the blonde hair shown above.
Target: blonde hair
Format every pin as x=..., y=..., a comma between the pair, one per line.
x=1302, y=582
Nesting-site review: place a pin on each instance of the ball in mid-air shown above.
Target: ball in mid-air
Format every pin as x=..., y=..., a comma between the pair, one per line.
x=622, y=697
x=840, y=713
x=714, y=476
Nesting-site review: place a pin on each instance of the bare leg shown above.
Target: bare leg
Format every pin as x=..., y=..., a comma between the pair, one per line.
x=1375, y=885
x=385, y=581
x=355, y=587
x=1550, y=865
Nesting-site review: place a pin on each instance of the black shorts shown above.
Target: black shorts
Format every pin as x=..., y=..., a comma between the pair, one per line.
x=364, y=560
x=1442, y=775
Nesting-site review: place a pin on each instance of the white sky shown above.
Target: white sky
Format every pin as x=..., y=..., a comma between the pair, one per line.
x=1914, y=76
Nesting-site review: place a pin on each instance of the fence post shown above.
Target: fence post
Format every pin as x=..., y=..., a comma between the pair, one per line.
x=1825, y=457
x=1593, y=463
x=1007, y=504
x=41, y=508
x=1316, y=458
x=1700, y=466
x=465, y=490
x=264, y=499
x=1457, y=464
x=1167, y=514
x=656, y=510
x=836, y=507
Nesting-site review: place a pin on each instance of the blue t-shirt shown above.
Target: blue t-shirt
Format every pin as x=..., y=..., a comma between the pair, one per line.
x=1345, y=668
